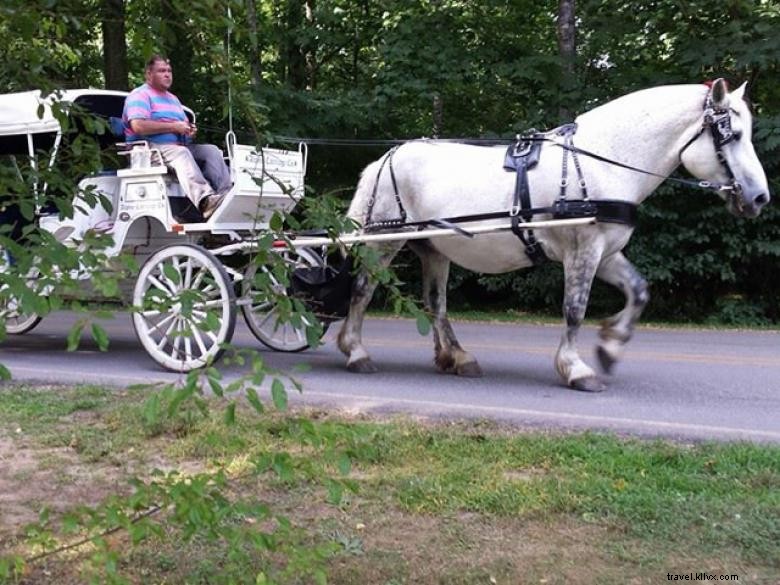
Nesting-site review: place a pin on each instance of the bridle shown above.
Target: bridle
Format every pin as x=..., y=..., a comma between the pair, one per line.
x=718, y=121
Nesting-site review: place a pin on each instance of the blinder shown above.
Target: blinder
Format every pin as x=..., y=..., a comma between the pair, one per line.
x=718, y=121
x=720, y=127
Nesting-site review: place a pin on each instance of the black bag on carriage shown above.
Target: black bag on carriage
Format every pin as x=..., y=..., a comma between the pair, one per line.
x=326, y=290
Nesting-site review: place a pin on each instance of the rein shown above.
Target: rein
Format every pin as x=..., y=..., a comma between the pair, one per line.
x=717, y=121
x=687, y=182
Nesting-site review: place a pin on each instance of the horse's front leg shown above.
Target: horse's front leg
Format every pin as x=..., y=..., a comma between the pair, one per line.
x=350, y=338
x=579, y=270
x=617, y=330
x=450, y=356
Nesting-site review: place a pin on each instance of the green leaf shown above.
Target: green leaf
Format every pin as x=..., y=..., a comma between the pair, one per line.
x=301, y=368
x=100, y=337
x=279, y=395
x=423, y=324
x=313, y=335
x=216, y=387
x=254, y=400
x=277, y=223
x=5, y=373
x=211, y=322
x=214, y=376
x=234, y=386
x=74, y=335
x=171, y=273
x=230, y=414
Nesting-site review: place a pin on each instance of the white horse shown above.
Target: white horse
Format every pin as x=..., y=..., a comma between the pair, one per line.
x=707, y=129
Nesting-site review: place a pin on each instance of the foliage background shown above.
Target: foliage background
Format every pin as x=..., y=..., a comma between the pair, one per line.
x=363, y=69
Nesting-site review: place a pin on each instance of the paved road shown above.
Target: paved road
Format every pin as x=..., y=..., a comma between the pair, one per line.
x=679, y=384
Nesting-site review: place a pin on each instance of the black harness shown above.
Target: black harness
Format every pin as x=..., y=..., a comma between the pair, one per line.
x=524, y=155
x=520, y=157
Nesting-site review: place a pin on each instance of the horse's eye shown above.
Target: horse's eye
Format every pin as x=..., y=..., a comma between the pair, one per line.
x=737, y=135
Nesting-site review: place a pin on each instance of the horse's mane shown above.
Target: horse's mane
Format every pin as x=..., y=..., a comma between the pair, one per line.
x=653, y=98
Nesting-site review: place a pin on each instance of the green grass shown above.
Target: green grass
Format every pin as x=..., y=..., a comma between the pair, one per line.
x=444, y=503
x=36, y=408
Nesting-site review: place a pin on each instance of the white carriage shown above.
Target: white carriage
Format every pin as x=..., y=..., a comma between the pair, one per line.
x=194, y=274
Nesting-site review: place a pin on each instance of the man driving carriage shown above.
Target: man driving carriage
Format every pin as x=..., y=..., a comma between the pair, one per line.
x=154, y=114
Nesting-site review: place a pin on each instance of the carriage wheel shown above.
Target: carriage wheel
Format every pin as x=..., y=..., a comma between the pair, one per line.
x=263, y=316
x=16, y=322
x=185, y=307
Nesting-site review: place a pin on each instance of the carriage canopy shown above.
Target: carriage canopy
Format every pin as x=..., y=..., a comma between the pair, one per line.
x=27, y=123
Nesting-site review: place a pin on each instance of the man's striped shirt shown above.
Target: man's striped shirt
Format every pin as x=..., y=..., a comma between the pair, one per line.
x=147, y=103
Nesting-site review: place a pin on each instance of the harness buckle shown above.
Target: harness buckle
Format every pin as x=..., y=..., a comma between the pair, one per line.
x=515, y=211
x=522, y=148
x=564, y=183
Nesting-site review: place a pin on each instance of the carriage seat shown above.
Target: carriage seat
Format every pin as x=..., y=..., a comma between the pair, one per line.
x=116, y=126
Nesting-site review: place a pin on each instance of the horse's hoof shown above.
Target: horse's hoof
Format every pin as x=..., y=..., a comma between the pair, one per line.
x=589, y=384
x=469, y=370
x=362, y=366
x=606, y=361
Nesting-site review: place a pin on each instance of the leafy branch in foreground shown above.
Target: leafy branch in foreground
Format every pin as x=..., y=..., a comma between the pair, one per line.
x=208, y=505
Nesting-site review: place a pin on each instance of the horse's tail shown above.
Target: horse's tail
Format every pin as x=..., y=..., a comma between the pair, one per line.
x=358, y=208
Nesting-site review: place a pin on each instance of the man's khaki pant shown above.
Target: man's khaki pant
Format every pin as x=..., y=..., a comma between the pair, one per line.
x=185, y=160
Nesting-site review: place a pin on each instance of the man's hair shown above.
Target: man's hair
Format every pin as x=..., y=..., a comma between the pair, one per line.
x=153, y=59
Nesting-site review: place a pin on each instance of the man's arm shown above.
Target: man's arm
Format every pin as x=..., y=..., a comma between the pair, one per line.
x=146, y=127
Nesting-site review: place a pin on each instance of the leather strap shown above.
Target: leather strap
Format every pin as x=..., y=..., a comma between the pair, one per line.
x=520, y=157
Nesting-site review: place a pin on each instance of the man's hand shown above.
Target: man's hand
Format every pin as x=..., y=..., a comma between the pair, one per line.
x=146, y=127
x=184, y=128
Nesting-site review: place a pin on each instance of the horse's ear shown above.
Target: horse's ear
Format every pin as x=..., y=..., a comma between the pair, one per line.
x=739, y=93
x=720, y=92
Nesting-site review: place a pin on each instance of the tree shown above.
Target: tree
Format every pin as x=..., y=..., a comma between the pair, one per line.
x=114, y=44
x=254, y=56
x=567, y=48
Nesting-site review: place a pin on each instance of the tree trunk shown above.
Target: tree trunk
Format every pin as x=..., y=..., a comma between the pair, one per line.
x=295, y=64
x=310, y=49
x=114, y=44
x=438, y=115
x=256, y=71
x=178, y=47
x=567, y=49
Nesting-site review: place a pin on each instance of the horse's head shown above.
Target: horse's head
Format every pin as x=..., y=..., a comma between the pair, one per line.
x=722, y=152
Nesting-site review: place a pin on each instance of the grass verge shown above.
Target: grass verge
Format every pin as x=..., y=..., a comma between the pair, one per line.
x=457, y=503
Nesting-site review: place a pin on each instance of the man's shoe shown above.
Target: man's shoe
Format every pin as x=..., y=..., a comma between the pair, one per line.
x=209, y=204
